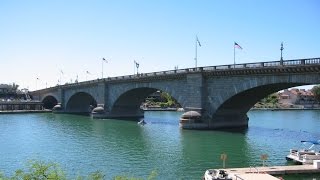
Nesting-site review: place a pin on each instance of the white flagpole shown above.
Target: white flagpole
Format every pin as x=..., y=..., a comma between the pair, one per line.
x=137, y=65
x=134, y=67
x=103, y=59
x=234, y=55
x=196, y=55
x=102, y=68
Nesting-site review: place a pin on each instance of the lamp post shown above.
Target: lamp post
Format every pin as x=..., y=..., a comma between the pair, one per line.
x=281, y=58
x=87, y=72
x=137, y=66
x=61, y=76
x=37, y=88
x=37, y=83
x=76, y=81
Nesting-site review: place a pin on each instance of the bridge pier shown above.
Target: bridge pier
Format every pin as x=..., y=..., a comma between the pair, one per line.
x=130, y=112
x=58, y=108
x=227, y=119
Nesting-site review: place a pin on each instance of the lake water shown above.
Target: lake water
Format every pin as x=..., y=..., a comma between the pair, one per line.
x=82, y=145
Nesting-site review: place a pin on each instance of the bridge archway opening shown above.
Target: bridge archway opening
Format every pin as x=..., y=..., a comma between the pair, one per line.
x=81, y=103
x=238, y=105
x=49, y=102
x=132, y=102
x=160, y=99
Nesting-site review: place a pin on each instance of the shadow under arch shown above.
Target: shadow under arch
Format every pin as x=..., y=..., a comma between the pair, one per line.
x=49, y=102
x=128, y=104
x=81, y=103
x=237, y=106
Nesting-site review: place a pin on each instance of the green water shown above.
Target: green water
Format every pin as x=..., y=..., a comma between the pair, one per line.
x=82, y=145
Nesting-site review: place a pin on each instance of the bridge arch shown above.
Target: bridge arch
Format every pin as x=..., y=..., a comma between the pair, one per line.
x=49, y=101
x=241, y=103
x=230, y=107
x=81, y=103
x=128, y=103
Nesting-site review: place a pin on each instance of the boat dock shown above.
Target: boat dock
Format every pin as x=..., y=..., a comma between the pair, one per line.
x=25, y=111
x=254, y=177
x=276, y=170
x=268, y=173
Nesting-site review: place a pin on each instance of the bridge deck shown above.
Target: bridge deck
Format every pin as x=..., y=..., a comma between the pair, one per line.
x=311, y=63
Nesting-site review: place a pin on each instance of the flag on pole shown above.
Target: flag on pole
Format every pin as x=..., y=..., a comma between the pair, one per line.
x=88, y=72
x=236, y=45
x=198, y=41
x=103, y=59
x=137, y=64
x=61, y=71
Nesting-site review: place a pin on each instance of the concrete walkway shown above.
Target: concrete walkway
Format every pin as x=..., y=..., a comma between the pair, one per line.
x=254, y=177
x=276, y=170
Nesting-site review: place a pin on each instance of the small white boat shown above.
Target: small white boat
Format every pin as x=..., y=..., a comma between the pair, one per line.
x=214, y=174
x=142, y=122
x=304, y=156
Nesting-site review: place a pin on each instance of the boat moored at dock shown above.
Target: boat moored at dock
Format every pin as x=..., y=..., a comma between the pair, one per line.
x=304, y=156
x=214, y=174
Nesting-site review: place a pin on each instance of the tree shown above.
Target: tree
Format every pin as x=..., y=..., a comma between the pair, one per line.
x=15, y=86
x=316, y=91
x=169, y=100
x=41, y=170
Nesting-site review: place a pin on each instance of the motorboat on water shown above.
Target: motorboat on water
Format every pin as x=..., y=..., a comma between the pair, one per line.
x=214, y=174
x=305, y=156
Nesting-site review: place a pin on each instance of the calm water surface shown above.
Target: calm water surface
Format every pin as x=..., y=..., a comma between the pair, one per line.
x=82, y=145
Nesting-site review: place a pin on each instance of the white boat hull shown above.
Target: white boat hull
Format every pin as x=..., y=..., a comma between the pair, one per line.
x=303, y=156
x=213, y=174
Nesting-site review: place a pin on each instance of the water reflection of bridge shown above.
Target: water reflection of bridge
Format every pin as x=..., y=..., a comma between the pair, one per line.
x=221, y=94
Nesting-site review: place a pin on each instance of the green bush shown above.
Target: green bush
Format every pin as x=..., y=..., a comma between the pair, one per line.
x=40, y=170
x=316, y=91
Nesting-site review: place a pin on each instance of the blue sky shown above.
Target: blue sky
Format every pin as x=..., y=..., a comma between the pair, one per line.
x=40, y=38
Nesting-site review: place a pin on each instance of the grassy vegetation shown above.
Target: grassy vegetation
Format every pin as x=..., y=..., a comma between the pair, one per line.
x=40, y=170
x=165, y=101
x=316, y=91
x=270, y=101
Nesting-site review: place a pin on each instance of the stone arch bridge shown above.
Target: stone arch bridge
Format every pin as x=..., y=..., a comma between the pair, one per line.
x=220, y=95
